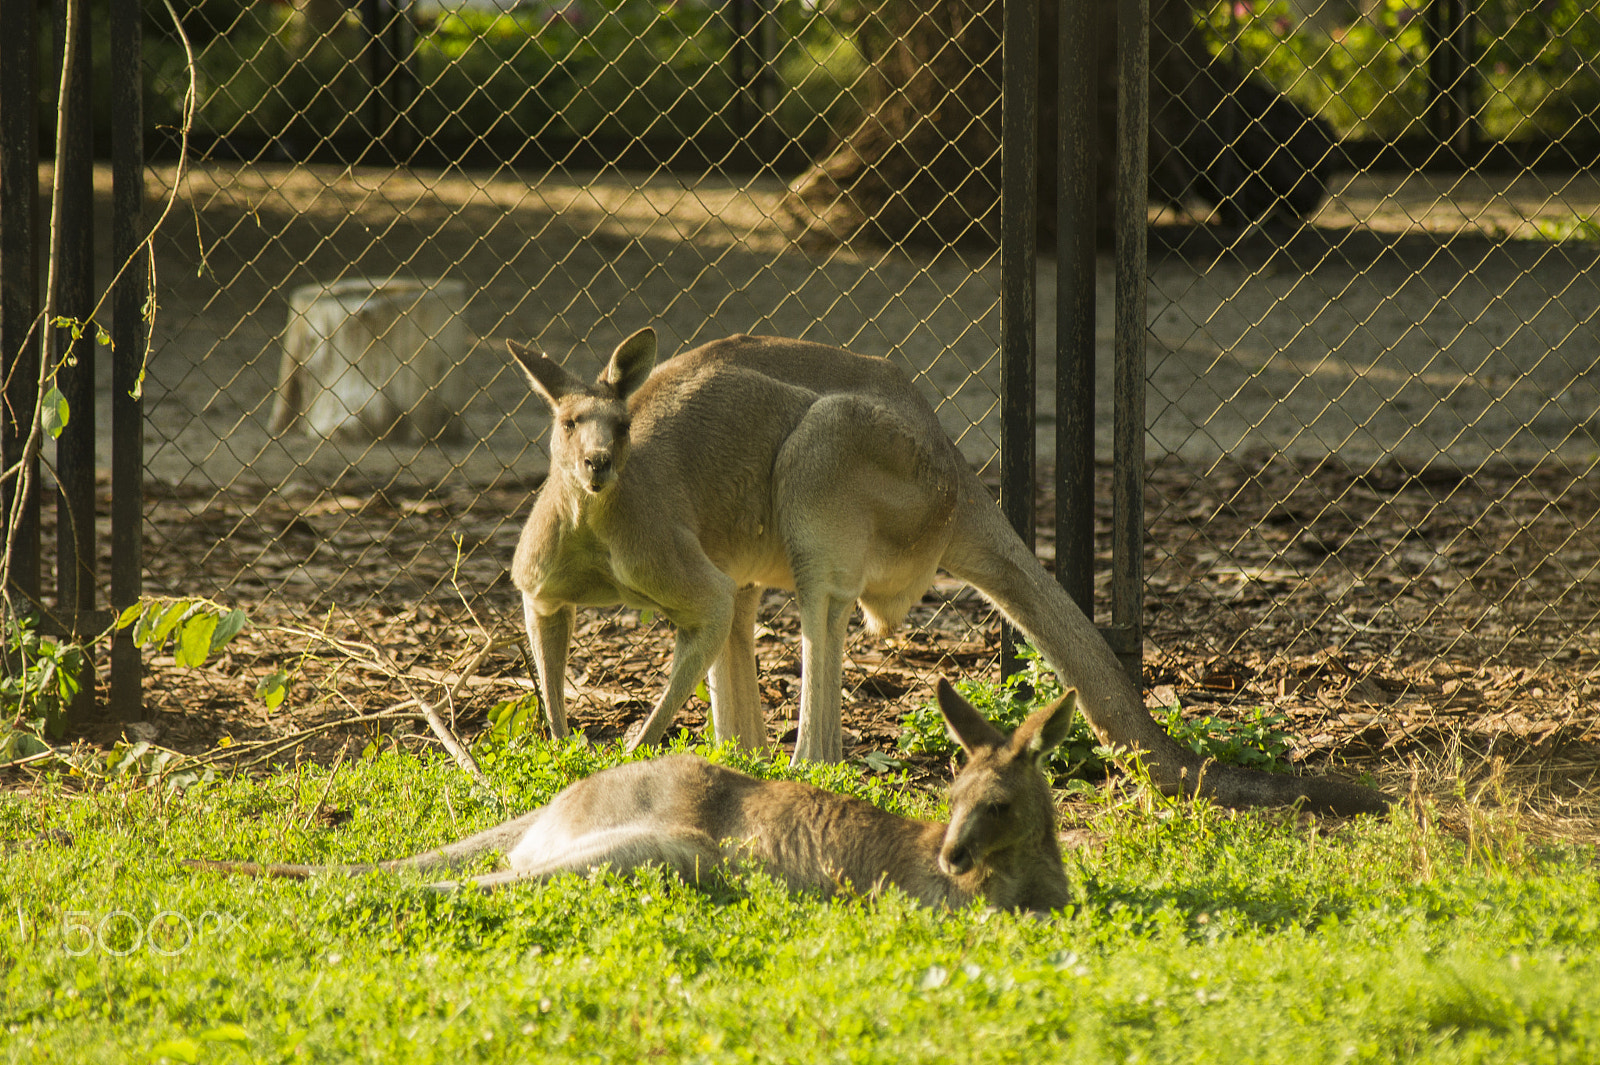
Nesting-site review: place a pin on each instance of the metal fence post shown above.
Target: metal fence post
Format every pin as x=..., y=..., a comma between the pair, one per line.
x=1019, y=238
x=1128, y=417
x=1075, y=300
x=1451, y=29
x=72, y=255
x=128, y=337
x=19, y=289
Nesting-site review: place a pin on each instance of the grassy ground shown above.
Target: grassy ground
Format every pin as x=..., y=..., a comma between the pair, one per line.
x=1196, y=935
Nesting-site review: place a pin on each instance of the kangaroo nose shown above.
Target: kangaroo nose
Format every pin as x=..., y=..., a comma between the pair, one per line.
x=598, y=464
x=956, y=859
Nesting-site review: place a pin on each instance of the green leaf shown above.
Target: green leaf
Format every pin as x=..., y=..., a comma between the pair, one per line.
x=226, y=1033
x=55, y=412
x=16, y=744
x=272, y=689
x=131, y=614
x=194, y=640
x=168, y=621
x=231, y=625
x=879, y=762
x=511, y=718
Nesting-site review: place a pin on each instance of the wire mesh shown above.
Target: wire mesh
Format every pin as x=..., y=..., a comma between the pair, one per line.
x=1373, y=405
x=576, y=171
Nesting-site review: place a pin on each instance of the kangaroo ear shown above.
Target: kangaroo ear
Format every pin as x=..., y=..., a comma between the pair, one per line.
x=631, y=363
x=1045, y=728
x=549, y=378
x=969, y=727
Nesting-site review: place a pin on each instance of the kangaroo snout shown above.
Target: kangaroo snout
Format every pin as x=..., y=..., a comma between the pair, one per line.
x=600, y=469
x=955, y=858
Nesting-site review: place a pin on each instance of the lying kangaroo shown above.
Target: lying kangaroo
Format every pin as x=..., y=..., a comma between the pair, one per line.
x=697, y=818
x=756, y=462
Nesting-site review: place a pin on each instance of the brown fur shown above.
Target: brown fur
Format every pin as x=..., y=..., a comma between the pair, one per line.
x=696, y=818
x=756, y=462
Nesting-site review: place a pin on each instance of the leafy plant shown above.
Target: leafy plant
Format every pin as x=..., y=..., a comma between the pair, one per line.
x=40, y=682
x=1367, y=73
x=1008, y=704
x=511, y=719
x=150, y=764
x=196, y=628
x=1258, y=740
x=573, y=68
x=1571, y=227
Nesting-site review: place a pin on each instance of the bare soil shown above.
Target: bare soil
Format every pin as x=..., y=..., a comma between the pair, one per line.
x=1429, y=593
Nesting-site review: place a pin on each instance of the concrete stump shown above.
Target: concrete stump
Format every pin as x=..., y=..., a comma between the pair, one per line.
x=373, y=360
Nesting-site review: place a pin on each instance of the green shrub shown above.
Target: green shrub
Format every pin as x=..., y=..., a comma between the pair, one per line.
x=608, y=68
x=1257, y=740
x=1368, y=76
x=40, y=681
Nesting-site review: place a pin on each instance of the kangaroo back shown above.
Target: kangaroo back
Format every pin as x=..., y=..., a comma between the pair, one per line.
x=764, y=462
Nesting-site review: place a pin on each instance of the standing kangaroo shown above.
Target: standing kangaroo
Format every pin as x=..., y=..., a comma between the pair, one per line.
x=697, y=818
x=756, y=462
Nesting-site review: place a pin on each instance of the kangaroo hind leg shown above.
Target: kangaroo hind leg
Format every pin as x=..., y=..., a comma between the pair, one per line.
x=689, y=853
x=863, y=517
x=735, y=694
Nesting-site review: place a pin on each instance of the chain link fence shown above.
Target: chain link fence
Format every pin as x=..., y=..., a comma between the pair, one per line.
x=577, y=171
x=1375, y=370
x=1373, y=408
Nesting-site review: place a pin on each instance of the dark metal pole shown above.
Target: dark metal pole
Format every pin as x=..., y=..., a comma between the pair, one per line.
x=375, y=15
x=739, y=30
x=19, y=284
x=1077, y=137
x=1019, y=238
x=1470, y=137
x=73, y=252
x=1451, y=29
x=128, y=339
x=403, y=97
x=752, y=26
x=1133, y=169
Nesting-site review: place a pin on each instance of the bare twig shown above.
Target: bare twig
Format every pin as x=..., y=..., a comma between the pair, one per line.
x=457, y=750
x=373, y=656
x=272, y=748
x=41, y=756
x=326, y=787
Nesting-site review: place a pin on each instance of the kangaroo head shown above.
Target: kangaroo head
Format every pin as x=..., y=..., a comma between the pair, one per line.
x=1000, y=799
x=589, y=437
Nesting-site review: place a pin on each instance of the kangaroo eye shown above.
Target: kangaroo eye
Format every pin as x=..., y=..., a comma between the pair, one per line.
x=568, y=424
x=999, y=809
x=623, y=426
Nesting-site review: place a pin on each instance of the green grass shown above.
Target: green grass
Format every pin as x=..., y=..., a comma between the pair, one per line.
x=1194, y=936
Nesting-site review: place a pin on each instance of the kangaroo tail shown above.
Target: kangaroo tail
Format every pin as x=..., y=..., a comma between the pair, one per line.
x=499, y=839
x=987, y=554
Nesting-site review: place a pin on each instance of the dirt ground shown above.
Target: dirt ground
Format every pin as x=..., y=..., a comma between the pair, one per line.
x=1429, y=592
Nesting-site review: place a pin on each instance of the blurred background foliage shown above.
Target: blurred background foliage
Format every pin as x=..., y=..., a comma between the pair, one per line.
x=293, y=75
